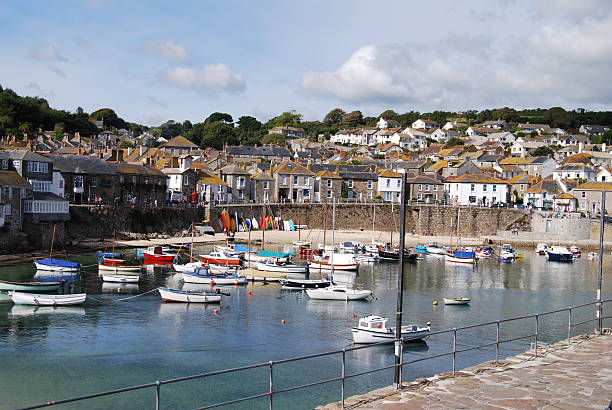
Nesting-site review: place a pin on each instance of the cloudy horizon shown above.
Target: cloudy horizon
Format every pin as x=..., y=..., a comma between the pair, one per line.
x=152, y=62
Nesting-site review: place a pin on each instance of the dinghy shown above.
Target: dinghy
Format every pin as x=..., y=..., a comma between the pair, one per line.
x=335, y=292
x=121, y=278
x=213, y=279
x=187, y=267
x=373, y=329
x=119, y=268
x=461, y=256
x=57, y=265
x=274, y=265
x=47, y=300
x=334, y=262
x=457, y=301
x=6, y=285
x=188, y=296
x=300, y=284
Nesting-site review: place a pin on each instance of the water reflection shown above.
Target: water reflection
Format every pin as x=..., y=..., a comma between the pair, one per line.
x=108, y=287
x=24, y=310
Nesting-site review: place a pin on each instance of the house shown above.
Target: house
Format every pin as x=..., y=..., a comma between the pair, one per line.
x=539, y=128
x=565, y=202
x=14, y=192
x=503, y=137
x=294, y=182
x=382, y=123
x=328, y=186
x=271, y=152
x=357, y=136
x=589, y=196
x=488, y=160
x=425, y=124
x=308, y=156
x=238, y=183
x=211, y=189
x=474, y=131
x=288, y=132
x=179, y=145
x=604, y=175
x=387, y=148
x=359, y=185
x=441, y=134
x=525, y=148
x=389, y=185
x=574, y=171
x=498, y=124
x=146, y=185
x=519, y=185
x=593, y=130
x=541, y=195
x=263, y=190
x=540, y=167
x=423, y=188
x=476, y=190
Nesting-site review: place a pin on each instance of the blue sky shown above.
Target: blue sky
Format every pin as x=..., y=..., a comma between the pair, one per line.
x=157, y=60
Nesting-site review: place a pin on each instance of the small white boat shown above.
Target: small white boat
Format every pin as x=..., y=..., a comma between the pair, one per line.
x=273, y=265
x=559, y=254
x=301, y=244
x=221, y=268
x=47, y=300
x=435, y=249
x=592, y=255
x=214, y=279
x=188, y=296
x=373, y=329
x=187, y=267
x=361, y=258
x=575, y=250
x=541, y=249
x=334, y=262
x=461, y=256
x=121, y=278
x=119, y=268
x=335, y=292
x=457, y=301
x=57, y=265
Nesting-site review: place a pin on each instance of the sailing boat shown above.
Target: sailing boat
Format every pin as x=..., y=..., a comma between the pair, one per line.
x=390, y=252
x=300, y=243
x=460, y=254
x=53, y=264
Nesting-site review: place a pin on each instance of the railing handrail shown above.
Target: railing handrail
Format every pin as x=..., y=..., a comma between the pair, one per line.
x=342, y=351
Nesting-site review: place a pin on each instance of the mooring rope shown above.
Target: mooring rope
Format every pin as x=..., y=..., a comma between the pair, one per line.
x=122, y=299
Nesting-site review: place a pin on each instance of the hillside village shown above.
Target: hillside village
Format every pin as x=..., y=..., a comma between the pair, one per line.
x=446, y=164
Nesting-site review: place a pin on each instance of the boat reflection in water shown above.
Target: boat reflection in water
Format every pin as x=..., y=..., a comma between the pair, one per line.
x=51, y=276
x=28, y=310
x=178, y=308
x=110, y=287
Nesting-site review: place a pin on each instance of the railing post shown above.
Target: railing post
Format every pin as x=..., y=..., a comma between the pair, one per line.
x=157, y=394
x=497, y=344
x=343, y=373
x=270, y=391
x=537, y=318
x=569, y=327
x=454, y=349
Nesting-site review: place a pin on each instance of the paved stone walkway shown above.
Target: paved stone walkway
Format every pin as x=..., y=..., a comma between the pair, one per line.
x=578, y=377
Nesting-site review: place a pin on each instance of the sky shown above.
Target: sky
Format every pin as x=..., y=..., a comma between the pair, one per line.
x=155, y=60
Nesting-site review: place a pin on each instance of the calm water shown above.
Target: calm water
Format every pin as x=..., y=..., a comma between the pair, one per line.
x=56, y=353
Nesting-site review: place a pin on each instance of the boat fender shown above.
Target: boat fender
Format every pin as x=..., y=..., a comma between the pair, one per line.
x=283, y=321
x=216, y=311
x=428, y=323
x=435, y=302
x=355, y=315
x=217, y=291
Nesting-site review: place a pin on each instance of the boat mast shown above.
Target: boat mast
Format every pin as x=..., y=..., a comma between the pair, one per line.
x=52, y=240
x=392, y=226
x=263, y=230
x=399, y=344
x=602, y=227
x=191, y=248
x=324, y=226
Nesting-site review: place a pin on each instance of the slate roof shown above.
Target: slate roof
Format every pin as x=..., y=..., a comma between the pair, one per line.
x=13, y=179
x=550, y=186
x=263, y=151
x=359, y=175
x=290, y=167
x=233, y=169
x=179, y=141
x=424, y=179
x=25, y=156
x=81, y=164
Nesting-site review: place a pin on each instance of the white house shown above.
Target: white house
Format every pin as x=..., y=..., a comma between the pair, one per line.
x=389, y=185
x=476, y=190
x=503, y=137
x=604, y=175
x=382, y=123
x=425, y=124
x=574, y=171
x=524, y=148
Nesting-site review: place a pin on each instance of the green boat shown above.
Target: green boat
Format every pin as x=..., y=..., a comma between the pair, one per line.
x=6, y=285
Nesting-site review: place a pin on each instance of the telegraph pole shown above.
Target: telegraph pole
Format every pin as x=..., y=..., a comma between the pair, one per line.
x=399, y=343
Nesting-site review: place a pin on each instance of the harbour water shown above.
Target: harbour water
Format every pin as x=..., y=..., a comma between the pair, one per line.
x=54, y=353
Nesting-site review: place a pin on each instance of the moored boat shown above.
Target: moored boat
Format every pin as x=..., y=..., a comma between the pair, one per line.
x=435, y=249
x=119, y=268
x=300, y=284
x=121, y=278
x=157, y=254
x=334, y=262
x=274, y=265
x=575, y=250
x=461, y=256
x=187, y=267
x=47, y=300
x=214, y=279
x=188, y=296
x=541, y=249
x=457, y=301
x=559, y=254
x=6, y=285
x=57, y=265
x=220, y=258
x=392, y=254
x=335, y=292
x=373, y=329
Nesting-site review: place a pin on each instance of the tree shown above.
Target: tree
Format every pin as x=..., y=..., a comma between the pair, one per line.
x=352, y=119
x=274, y=139
x=249, y=130
x=288, y=118
x=214, y=134
x=125, y=144
x=219, y=117
x=544, y=151
x=558, y=117
x=58, y=131
x=109, y=117
x=25, y=128
x=80, y=111
x=334, y=117
x=453, y=142
x=170, y=129
x=389, y=115
x=187, y=126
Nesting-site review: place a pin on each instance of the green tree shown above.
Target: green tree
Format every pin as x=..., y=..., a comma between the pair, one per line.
x=389, y=115
x=125, y=144
x=170, y=129
x=558, y=117
x=453, y=142
x=249, y=130
x=274, y=139
x=58, y=131
x=352, y=119
x=214, y=134
x=109, y=117
x=288, y=118
x=25, y=128
x=334, y=117
x=219, y=117
x=544, y=151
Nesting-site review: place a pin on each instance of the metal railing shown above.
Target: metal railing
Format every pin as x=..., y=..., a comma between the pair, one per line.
x=344, y=376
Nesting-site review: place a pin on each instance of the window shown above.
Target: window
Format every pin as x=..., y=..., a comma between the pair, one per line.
x=350, y=183
x=583, y=194
x=5, y=164
x=41, y=186
x=94, y=182
x=370, y=195
x=38, y=166
x=494, y=188
x=295, y=180
x=135, y=178
x=420, y=196
x=78, y=181
x=427, y=187
x=266, y=184
x=185, y=179
x=399, y=183
x=284, y=180
x=420, y=187
x=329, y=194
x=240, y=193
x=472, y=199
x=485, y=188
x=61, y=183
x=329, y=183
x=10, y=193
x=434, y=187
x=388, y=183
x=24, y=193
x=306, y=180
x=306, y=193
x=370, y=184
x=472, y=188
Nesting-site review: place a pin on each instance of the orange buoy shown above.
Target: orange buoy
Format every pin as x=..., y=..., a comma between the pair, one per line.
x=283, y=321
x=250, y=292
x=216, y=311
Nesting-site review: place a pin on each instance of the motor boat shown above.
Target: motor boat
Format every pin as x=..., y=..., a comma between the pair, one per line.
x=421, y=248
x=435, y=249
x=264, y=255
x=559, y=254
x=274, y=265
x=20, y=298
x=365, y=258
x=214, y=279
x=157, y=254
x=6, y=285
x=457, y=301
x=220, y=258
x=187, y=267
x=301, y=284
x=575, y=250
x=483, y=252
x=389, y=253
x=119, y=268
x=461, y=256
x=334, y=262
x=541, y=249
x=121, y=278
x=373, y=329
x=349, y=247
x=335, y=292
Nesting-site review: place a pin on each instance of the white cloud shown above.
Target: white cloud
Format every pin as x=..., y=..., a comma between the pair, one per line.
x=156, y=101
x=167, y=49
x=47, y=52
x=210, y=79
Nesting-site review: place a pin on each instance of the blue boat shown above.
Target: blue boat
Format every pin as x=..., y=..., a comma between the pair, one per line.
x=213, y=279
x=421, y=248
x=57, y=265
x=559, y=254
x=108, y=255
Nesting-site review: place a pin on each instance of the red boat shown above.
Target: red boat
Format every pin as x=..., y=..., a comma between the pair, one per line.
x=155, y=254
x=220, y=258
x=113, y=261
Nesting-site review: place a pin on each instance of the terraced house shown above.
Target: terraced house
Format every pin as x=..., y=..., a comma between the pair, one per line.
x=476, y=190
x=294, y=182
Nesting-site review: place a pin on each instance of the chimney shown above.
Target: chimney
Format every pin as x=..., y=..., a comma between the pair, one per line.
x=129, y=150
x=141, y=150
x=580, y=147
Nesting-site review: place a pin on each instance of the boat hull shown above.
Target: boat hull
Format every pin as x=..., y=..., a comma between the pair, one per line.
x=329, y=267
x=113, y=268
x=220, y=261
x=560, y=257
x=213, y=279
x=182, y=296
x=330, y=293
x=121, y=278
x=282, y=268
x=303, y=284
x=41, y=266
x=47, y=300
x=363, y=336
x=30, y=286
x=153, y=257
x=455, y=259
x=457, y=301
